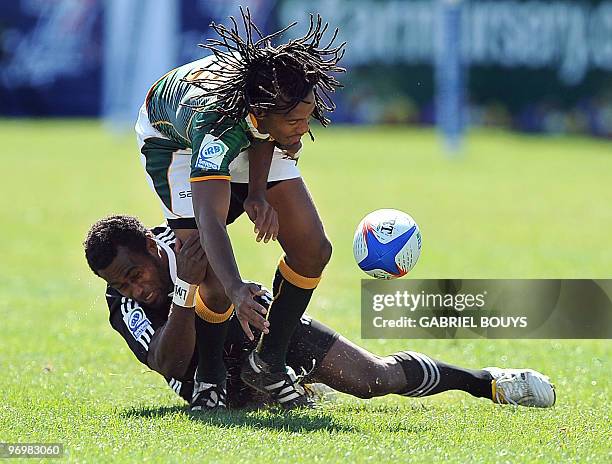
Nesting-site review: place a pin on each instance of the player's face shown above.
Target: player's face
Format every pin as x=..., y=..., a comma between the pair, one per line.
x=288, y=128
x=140, y=277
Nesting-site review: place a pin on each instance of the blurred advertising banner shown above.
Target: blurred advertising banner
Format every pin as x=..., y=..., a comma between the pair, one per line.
x=140, y=45
x=534, y=65
x=50, y=57
x=486, y=308
x=196, y=15
x=98, y=57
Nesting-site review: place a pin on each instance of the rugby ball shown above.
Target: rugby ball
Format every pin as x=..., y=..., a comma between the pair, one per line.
x=387, y=244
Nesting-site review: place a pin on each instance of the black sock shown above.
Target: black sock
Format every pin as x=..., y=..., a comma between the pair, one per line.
x=426, y=376
x=292, y=294
x=210, y=342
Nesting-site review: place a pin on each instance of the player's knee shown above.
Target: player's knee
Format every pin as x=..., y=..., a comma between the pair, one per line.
x=311, y=259
x=325, y=251
x=320, y=254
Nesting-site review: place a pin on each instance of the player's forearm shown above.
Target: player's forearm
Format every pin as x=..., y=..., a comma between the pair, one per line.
x=218, y=248
x=211, y=200
x=175, y=343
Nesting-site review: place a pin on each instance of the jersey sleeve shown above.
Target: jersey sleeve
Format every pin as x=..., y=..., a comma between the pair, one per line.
x=214, y=150
x=129, y=319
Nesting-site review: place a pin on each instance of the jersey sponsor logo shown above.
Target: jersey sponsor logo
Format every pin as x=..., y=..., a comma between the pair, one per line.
x=212, y=152
x=137, y=322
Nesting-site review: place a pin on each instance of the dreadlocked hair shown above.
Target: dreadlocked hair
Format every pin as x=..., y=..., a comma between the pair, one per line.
x=254, y=75
x=109, y=233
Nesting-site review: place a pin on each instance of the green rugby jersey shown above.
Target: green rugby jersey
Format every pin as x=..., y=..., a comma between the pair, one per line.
x=170, y=107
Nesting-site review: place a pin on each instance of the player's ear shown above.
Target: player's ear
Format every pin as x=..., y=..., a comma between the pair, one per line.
x=151, y=244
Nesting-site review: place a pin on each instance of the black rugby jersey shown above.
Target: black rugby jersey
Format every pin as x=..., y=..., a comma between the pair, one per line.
x=137, y=323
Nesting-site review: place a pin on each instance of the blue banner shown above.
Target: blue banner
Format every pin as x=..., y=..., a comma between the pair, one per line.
x=196, y=15
x=50, y=57
x=540, y=66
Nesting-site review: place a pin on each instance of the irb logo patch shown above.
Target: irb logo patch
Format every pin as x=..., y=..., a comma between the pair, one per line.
x=211, y=154
x=137, y=322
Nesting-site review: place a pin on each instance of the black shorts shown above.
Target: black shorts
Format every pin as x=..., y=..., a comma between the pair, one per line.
x=308, y=347
x=236, y=208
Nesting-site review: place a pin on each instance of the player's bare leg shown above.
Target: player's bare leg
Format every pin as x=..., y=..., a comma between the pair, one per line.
x=351, y=369
x=307, y=251
x=354, y=370
x=301, y=233
x=214, y=310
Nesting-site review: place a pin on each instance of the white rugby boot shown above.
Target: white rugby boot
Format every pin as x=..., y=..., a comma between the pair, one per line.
x=523, y=387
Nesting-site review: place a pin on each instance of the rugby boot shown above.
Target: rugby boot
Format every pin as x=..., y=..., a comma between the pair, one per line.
x=209, y=397
x=282, y=387
x=521, y=387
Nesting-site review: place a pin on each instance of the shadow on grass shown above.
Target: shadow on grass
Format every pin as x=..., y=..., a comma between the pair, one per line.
x=268, y=418
x=340, y=418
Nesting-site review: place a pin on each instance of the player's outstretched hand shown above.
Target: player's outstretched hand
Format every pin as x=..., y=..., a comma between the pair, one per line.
x=264, y=216
x=191, y=262
x=248, y=311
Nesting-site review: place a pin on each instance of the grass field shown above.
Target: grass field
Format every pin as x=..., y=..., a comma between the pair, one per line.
x=513, y=206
